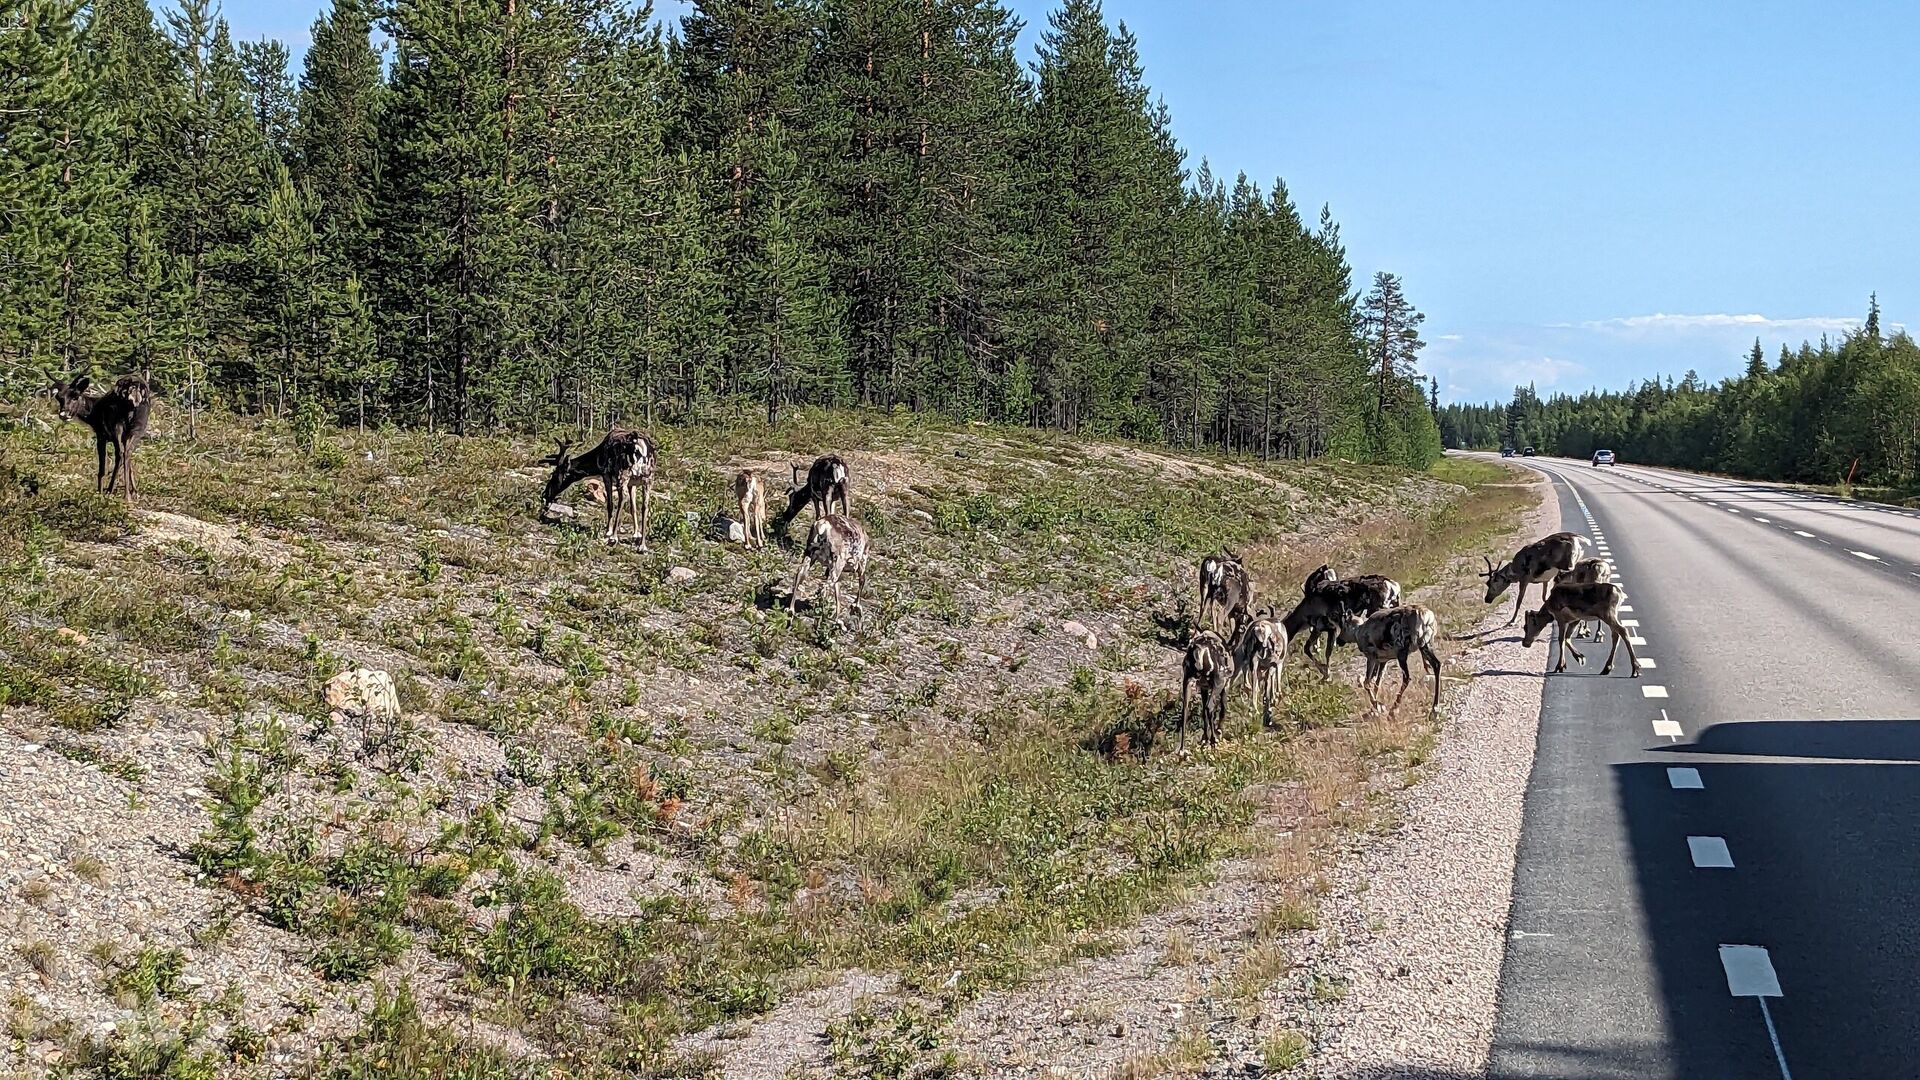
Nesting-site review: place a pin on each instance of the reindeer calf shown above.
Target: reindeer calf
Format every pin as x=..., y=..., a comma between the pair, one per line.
x=1260, y=657
x=751, y=495
x=1206, y=672
x=1570, y=604
x=837, y=543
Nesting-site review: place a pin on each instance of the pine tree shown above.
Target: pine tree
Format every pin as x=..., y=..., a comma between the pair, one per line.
x=263, y=68
x=1756, y=361
x=1391, y=327
x=336, y=138
x=793, y=348
x=59, y=192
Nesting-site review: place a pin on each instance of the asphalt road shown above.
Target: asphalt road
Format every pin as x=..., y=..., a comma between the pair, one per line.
x=1719, y=870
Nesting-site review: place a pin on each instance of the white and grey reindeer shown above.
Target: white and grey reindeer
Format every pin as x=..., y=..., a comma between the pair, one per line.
x=838, y=544
x=1536, y=564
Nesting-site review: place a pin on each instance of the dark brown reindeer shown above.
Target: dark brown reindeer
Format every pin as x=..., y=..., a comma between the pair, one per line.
x=1570, y=604
x=826, y=486
x=623, y=461
x=1323, y=597
x=838, y=544
x=1205, y=672
x=1393, y=634
x=1225, y=588
x=1537, y=563
x=117, y=417
x=1585, y=572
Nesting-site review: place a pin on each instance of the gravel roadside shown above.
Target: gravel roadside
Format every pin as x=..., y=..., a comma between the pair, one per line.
x=1415, y=926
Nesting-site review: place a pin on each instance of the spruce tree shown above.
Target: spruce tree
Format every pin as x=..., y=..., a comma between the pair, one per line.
x=336, y=138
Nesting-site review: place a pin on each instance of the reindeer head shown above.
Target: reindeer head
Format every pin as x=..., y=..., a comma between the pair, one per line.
x=1318, y=578
x=1497, y=580
x=1346, y=624
x=71, y=397
x=1536, y=621
x=557, y=479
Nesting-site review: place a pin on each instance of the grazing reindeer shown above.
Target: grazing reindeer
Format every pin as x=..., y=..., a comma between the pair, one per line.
x=1260, y=657
x=1225, y=589
x=827, y=484
x=117, y=417
x=837, y=543
x=1585, y=572
x=1206, y=671
x=1323, y=597
x=751, y=495
x=1391, y=635
x=1570, y=604
x=1537, y=563
x=623, y=461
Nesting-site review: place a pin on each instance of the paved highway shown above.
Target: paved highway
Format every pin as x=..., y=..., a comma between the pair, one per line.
x=1719, y=871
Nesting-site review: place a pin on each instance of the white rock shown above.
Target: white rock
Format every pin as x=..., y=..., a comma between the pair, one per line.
x=681, y=574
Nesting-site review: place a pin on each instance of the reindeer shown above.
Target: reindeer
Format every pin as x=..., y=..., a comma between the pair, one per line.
x=1260, y=656
x=751, y=494
x=1392, y=635
x=837, y=543
x=1570, y=604
x=1586, y=572
x=118, y=417
x=1207, y=670
x=623, y=461
x=826, y=485
x=1323, y=596
x=1225, y=589
x=1537, y=563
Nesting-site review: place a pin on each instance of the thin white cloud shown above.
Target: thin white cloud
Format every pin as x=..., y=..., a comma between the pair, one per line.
x=1543, y=372
x=1448, y=337
x=1818, y=324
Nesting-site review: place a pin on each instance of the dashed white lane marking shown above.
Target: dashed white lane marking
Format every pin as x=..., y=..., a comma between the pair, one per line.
x=1731, y=510
x=1667, y=729
x=1635, y=640
x=1649, y=663
x=1710, y=852
x=1864, y=555
x=1629, y=622
x=1803, y=532
x=1684, y=779
x=1750, y=974
x=1653, y=691
x=1624, y=608
x=1763, y=521
x=1749, y=971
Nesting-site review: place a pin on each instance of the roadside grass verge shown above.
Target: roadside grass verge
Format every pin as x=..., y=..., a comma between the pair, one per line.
x=954, y=793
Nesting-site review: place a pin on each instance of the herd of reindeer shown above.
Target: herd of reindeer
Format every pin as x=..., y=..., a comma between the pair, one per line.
x=1234, y=642
x=1231, y=641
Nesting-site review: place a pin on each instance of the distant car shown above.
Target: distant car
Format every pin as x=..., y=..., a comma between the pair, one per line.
x=1526, y=451
x=1506, y=451
x=1602, y=457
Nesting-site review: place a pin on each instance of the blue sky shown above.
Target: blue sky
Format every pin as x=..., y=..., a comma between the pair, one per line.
x=1575, y=195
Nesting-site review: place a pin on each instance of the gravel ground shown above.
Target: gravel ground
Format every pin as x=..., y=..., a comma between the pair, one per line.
x=1416, y=925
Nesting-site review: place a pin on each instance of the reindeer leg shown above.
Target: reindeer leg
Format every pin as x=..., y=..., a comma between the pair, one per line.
x=1620, y=635
x=1405, y=678
x=100, y=464
x=613, y=512
x=1518, y=602
x=646, y=511
x=1433, y=665
x=793, y=593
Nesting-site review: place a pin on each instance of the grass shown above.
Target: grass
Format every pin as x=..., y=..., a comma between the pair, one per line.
x=954, y=793
x=1284, y=1050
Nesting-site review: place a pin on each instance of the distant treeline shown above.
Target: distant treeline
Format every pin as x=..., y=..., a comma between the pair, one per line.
x=1817, y=414
x=556, y=211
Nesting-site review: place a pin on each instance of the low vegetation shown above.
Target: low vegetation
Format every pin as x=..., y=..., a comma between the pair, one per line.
x=626, y=809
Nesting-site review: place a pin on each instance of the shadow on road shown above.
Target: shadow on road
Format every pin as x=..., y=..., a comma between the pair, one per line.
x=1824, y=877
